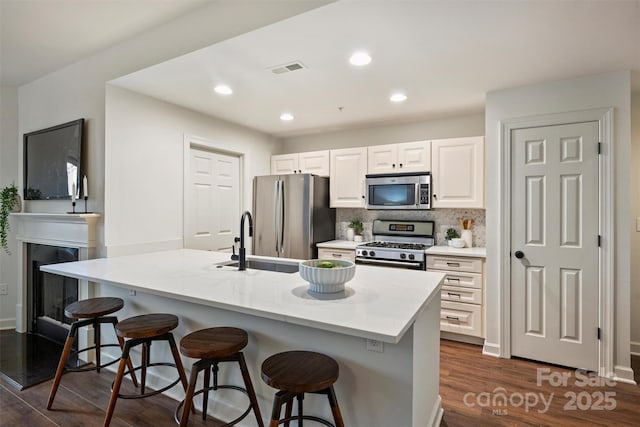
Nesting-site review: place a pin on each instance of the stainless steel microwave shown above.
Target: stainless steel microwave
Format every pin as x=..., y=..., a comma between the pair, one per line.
x=398, y=191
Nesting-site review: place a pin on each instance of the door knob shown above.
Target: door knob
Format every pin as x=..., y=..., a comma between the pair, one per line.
x=519, y=254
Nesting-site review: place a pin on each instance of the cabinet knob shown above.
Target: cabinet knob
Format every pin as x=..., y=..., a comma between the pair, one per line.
x=393, y=165
x=435, y=197
x=400, y=164
x=299, y=171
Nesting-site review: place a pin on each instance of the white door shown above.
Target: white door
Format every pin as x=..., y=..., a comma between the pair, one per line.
x=554, y=244
x=212, y=200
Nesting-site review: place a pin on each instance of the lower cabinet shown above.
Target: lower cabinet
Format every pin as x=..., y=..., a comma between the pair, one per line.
x=462, y=293
x=330, y=253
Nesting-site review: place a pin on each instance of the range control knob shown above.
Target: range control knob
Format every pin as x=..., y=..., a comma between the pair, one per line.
x=364, y=253
x=403, y=256
x=411, y=256
x=372, y=253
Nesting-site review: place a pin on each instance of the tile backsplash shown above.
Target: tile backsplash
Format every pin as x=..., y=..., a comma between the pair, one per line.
x=444, y=219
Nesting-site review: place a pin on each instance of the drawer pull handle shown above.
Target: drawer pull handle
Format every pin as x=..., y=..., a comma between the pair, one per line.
x=453, y=279
x=453, y=264
x=452, y=294
x=337, y=255
x=453, y=318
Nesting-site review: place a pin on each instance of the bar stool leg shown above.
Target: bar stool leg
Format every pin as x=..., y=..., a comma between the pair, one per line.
x=96, y=342
x=205, y=393
x=300, y=411
x=288, y=410
x=248, y=385
x=179, y=367
x=335, y=409
x=116, y=385
x=143, y=370
x=188, y=400
x=129, y=364
x=62, y=363
x=277, y=407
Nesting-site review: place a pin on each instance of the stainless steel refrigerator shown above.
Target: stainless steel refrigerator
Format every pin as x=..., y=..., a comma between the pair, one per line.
x=290, y=215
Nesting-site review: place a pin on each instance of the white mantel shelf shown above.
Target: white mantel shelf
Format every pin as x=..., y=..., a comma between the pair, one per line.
x=76, y=230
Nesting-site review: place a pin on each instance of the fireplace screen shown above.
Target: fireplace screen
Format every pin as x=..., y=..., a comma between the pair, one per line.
x=49, y=294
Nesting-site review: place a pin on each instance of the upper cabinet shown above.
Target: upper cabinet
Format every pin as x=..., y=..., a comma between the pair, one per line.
x=457, y=169
x=397, y=158
x=348, y=170
x=315, y=162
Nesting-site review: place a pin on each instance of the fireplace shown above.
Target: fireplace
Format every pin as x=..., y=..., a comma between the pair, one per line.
x=48, y=294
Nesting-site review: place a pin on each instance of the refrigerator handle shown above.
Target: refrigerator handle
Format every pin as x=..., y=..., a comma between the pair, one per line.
x=282, y=219
x=276, y=214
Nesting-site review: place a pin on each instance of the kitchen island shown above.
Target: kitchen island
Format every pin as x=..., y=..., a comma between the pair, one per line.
x=396, y=384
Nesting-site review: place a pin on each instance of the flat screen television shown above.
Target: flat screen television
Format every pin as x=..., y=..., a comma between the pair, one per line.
x=52, y=161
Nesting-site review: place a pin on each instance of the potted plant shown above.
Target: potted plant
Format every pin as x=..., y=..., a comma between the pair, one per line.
x=357, y=228
x=451, y=234
x=9, y=202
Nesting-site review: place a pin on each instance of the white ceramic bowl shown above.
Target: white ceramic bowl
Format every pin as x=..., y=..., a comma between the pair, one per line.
x=327, y=280
x=457, y=243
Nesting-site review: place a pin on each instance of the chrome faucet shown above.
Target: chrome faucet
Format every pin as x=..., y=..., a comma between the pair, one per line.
x=242, y=257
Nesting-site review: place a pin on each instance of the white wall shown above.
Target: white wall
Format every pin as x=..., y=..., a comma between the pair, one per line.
x=79, y=89
x=604, y=90
x=144, y=167
x=9, y=144
x=450, y=127
x=635, y=213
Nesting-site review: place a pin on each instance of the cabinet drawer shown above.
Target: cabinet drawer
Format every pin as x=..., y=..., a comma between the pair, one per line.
x=345, y=254
x=461, y=318
x=468, y=280
x=460, y=294
x=439, y=262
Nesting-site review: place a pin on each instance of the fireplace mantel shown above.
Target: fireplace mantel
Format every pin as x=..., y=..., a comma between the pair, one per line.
x=55, y=229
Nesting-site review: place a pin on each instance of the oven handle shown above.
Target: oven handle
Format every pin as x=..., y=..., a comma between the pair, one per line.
x=387, y=262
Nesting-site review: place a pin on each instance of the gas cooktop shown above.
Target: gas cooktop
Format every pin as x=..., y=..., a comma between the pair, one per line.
x=395, y=245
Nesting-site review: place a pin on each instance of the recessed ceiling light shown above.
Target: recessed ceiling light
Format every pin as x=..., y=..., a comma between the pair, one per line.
x=286, y=117
x=223, y=90
x=360, y=59
x=398, y=97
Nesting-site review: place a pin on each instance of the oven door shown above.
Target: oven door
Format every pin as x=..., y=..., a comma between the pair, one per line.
x=407, y=265
x=398, y=192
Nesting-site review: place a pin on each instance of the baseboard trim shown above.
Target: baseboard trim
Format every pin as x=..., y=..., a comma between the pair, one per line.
x=491, y=349
x=624, y=374
x=451, y=336
x=635, y=348
x=9, y=323
x=138, y=248
x=437, y=413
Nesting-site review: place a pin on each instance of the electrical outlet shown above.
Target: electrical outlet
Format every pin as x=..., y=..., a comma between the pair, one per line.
x=132, y=292
x=4, y=289
x=375, y=345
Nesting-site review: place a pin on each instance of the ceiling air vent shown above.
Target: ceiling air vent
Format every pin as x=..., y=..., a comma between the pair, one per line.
x=281, y=69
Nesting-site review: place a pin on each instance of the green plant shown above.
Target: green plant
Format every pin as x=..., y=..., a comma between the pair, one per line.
x=452, y=233
x=357, y=226
x=8, y=198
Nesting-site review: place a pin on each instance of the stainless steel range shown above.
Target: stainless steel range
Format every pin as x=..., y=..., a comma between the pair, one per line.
x=398, y=244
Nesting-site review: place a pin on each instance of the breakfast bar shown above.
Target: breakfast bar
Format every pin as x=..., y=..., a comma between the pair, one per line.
x=383, y=329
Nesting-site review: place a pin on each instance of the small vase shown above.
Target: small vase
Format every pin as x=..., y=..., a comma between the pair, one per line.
x=17, y=204
x=467, y=236
x=350, y=234
x=357, y=238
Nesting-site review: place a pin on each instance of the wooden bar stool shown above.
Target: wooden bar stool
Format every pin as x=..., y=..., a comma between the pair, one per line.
x=295, y=373
x=213, y=346
x=144, y=330
x=93, y=311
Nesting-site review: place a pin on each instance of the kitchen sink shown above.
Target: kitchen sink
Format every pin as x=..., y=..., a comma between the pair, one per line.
x=255, y=264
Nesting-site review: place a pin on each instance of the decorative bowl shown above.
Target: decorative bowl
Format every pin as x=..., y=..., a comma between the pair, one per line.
x=457, y=243
x=327, y=276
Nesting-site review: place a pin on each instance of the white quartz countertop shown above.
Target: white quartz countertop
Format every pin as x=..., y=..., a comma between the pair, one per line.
x=379, y=303
x=339, y=244
x=449, y=250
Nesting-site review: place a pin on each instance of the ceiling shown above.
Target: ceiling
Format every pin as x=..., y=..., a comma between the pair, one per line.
x=38, y=37
x=445, y=55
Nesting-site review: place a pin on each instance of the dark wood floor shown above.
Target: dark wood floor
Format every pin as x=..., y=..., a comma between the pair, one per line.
x=82, y=398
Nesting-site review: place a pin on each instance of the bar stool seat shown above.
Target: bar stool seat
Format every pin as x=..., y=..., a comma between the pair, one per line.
x=295, y=373
x=213, y=346
x=144, y=330
x=93, y=311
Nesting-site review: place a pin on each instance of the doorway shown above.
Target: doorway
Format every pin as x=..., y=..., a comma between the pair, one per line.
x=211, y=198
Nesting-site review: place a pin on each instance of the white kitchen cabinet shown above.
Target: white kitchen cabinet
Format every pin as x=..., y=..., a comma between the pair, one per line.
x=348, y=168
x=315, y=162
x=404, y=157
x=457, y=169
x=461, y=294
